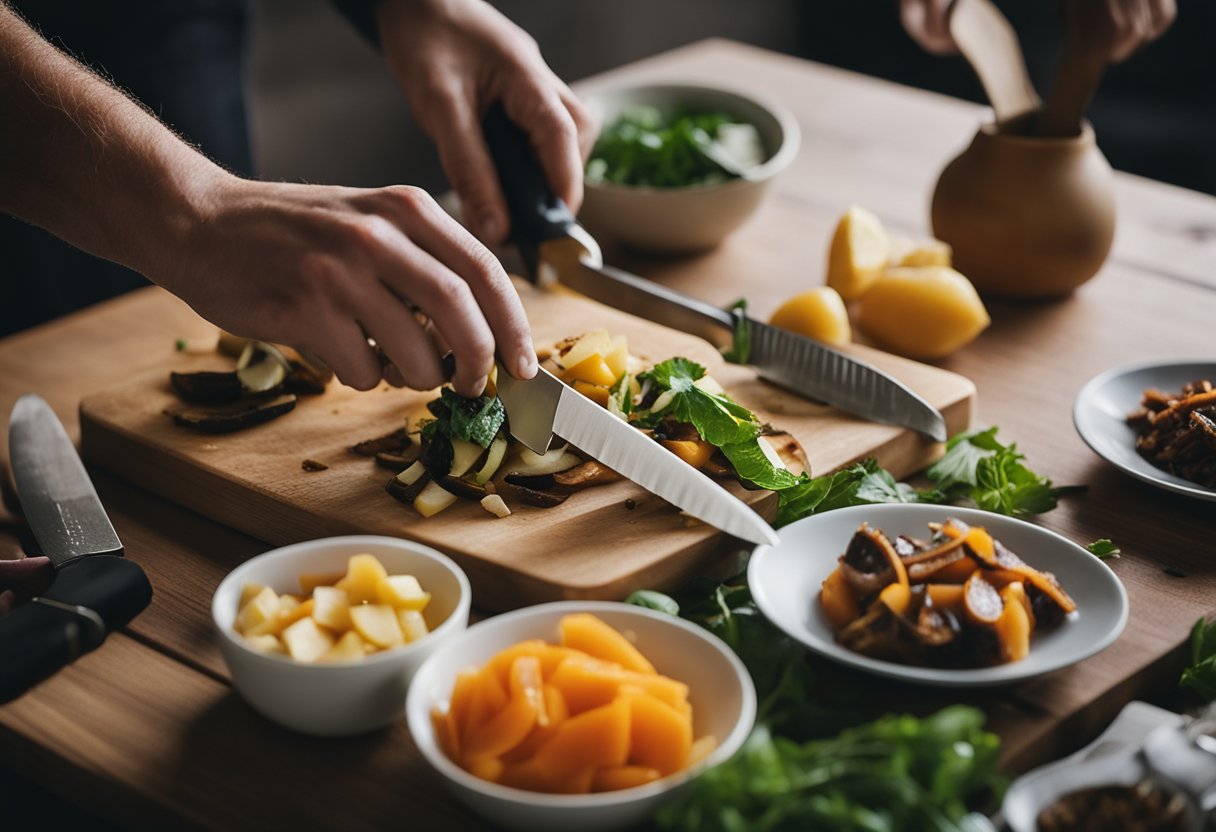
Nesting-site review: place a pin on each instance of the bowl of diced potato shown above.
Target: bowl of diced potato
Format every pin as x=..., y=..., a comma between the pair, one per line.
x=324, y=636
x=579, y=715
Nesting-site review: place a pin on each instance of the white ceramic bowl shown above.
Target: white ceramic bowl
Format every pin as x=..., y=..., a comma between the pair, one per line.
x=338, y=699
x=720, y=690
x=698, y=217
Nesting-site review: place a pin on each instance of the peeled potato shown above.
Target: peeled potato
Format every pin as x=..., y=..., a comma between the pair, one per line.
x=922, y=312
x=859, y=253
x=818, y=313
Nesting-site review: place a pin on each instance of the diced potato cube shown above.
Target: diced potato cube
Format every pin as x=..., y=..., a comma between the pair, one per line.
x=617, y=357
x=575, y=351
x=260, y=609
x=250, y=592
x=433, y=499
x=349, y=648
x=331, y=608
x=287, y=603
x=929, y=253
x=306, y=642
x=265, y=643
x=378, y=623
x=363, y=572
x=413, y=625
x=311, y=580
x=859, y=252
x=402, y=592
x=292, y=613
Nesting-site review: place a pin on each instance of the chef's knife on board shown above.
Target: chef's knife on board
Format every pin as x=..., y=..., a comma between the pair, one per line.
x=95, y=589
x=555, y=246
x=542, y=407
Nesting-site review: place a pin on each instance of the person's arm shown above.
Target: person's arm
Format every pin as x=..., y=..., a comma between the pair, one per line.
x=320, y=268
x=453, y=58
x=1127, y=24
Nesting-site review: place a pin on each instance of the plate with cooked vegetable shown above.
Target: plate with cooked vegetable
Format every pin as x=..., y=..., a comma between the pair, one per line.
x=938, y=595
x=1156, y=422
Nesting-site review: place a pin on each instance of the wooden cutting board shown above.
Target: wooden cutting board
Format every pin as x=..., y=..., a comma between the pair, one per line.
x=601, y=543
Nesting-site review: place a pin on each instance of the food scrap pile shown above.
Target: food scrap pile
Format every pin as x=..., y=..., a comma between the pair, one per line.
x=959, y=599
x=589, y=715
x=464, y=450
x=1177, y=432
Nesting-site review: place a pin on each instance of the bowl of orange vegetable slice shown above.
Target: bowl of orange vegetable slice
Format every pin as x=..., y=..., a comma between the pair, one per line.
x=578, y=714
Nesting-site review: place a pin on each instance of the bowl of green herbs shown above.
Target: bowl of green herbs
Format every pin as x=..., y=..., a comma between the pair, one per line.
x=678, y=167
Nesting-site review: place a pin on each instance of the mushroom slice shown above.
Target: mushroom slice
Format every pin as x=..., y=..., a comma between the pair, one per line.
x=231, y=416
x=870, y=562
x=874, y=634
x=539, y=482
x=462, y=487
x=529, y=496
x=409, y=483
x=207, y=387
x=588, y=474
x=936, y=627
x=397, y=460
x=981, y=601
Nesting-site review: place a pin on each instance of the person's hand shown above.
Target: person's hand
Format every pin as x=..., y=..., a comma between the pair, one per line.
x=21, y=577
x=1126, y=25
x=325, y=268
x=453, y=58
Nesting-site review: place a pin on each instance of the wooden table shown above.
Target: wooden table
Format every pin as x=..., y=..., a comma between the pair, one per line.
x=146, y=732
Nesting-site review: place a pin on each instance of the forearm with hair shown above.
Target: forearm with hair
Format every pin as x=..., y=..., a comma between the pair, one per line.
x=85, y=162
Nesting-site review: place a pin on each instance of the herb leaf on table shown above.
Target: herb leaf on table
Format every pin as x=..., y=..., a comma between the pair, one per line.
x=1200, y=675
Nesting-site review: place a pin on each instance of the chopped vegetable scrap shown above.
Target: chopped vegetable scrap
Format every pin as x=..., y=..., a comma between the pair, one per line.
x=1177, y=432
x=645, y=146
x=959, y=599
x=264, y=386
x=465, y=449
x=338, y=617
x=1146, y=806
x=590, y=714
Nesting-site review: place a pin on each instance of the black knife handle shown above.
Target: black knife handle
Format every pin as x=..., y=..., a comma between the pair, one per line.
x=87, y=599
x=537, y=214
x=36, y=639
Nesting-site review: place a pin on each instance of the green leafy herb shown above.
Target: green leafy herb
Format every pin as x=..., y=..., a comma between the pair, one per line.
x=741, y=345
x=1104, y=549
x=719, y=419
x=652, y=600
x=1200, y=675
x=978, y=467
x=858, y=484
x=754, y=465
x=896, y=773
x=646, y=147
x=474, y=420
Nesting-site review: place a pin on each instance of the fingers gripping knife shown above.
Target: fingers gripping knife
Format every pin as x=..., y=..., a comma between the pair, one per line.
x=555, y=246
x=95, y=590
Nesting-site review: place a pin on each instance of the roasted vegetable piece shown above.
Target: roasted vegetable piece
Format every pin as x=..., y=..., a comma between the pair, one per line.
x=225, y=418
x=981, y=600
x=595, y=638
x=207, y=387
x=1015, y=625
x=838, y=599
x=586, y=475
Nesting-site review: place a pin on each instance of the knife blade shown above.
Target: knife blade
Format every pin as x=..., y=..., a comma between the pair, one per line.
x=556, y=248
x=544, y=407
x=94, y=589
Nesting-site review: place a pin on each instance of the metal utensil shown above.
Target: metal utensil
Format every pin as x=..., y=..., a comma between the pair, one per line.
x=543, y=407
x=555, y=247
x=95, y=589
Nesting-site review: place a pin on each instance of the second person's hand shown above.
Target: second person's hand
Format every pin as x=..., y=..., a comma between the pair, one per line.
x=453, y=58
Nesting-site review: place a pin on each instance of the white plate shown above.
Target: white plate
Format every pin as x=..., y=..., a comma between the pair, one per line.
x=1100, y=414
x=785, y=581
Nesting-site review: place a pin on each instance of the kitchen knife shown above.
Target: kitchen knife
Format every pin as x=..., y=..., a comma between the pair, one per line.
x=543, y=406
x=555, y=247
x=94, y=589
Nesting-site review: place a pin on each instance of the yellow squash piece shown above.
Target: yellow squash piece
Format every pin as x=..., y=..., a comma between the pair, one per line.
x=660, y=737
x=413, y=625
x=859, y=252
x=1014, y=626
x=402, y=592
x=838, y=599
x=378, y=624
x=588, y=683
x=261, y=610
x=928, y=253
x=595, y=739
x=349, y=648
x=622, y=777
x=817, y=313
x=305, y=641
x=696, y=452
x=550, y=656
x=596, y=392
x=617, y=357
x=331, y=608
x=592, y=370
x=922, y=312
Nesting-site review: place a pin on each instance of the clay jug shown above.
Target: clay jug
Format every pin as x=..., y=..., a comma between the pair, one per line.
x=1027, y=216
